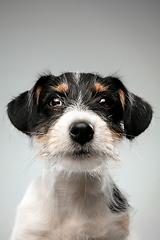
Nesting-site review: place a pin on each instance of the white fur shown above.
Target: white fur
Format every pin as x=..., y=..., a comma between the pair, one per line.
x=69, y=200
x=56, y=144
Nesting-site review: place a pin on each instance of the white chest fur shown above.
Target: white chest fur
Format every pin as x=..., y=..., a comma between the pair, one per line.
x=69, y=208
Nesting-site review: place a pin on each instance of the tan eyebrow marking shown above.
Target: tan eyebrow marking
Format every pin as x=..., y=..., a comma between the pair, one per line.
x=122, y=97
x=38, y=91
x=62, y=88
x=98, y=87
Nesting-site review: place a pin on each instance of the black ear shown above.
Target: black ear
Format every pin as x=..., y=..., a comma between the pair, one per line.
x=137, y=116
x=19, y=112
x=23, y=110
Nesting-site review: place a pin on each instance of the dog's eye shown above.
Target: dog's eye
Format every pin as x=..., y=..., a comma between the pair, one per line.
x=106, y=102
x=55, y=102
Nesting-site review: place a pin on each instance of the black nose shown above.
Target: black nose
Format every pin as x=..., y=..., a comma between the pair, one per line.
x=81, y=132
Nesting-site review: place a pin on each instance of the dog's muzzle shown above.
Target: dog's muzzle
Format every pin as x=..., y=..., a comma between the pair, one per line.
x=81, y=132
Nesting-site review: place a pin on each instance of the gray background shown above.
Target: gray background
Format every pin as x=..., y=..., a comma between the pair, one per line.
x=108, y=37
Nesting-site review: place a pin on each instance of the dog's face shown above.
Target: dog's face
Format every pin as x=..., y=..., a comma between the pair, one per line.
x=78, y=118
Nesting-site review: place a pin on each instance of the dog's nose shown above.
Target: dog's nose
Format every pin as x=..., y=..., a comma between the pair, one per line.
x=81, y=132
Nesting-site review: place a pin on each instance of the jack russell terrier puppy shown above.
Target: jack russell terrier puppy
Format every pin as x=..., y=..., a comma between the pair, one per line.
x=78, y=121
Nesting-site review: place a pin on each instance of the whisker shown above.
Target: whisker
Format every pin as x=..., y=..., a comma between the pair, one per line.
x=130, y=148
x=24, y=172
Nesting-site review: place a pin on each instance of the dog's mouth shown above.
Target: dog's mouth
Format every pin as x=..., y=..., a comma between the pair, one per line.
x=80, y=153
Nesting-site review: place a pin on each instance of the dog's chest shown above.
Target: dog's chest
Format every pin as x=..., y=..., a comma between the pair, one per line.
x=81, y=196
x=81, y=228
x=81, y=210
x=94, y=223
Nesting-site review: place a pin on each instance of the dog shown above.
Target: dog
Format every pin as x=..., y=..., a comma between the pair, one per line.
x=78, y=121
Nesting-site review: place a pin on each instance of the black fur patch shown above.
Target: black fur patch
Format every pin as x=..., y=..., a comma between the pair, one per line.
x=119, y=203
x=32, y=114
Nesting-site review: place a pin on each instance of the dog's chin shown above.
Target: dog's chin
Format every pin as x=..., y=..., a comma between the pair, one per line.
x=80, y=161
x=81, y=155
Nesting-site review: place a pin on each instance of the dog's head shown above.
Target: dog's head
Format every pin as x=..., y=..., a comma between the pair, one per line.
x=78, y=118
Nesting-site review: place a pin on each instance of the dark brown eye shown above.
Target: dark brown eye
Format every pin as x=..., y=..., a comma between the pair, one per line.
x=55, y=102
x=105, y=102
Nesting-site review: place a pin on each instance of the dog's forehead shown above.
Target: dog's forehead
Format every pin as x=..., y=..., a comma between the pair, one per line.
x=78, y=82
x=90, y=80
x=75, y=85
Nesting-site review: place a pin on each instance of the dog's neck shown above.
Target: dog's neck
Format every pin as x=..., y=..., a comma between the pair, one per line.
x=79, y=192
x=82, y=183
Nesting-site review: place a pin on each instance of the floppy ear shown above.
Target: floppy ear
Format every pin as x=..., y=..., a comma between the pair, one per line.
x=137, y=116
x=19, y=112
x=22, y=111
